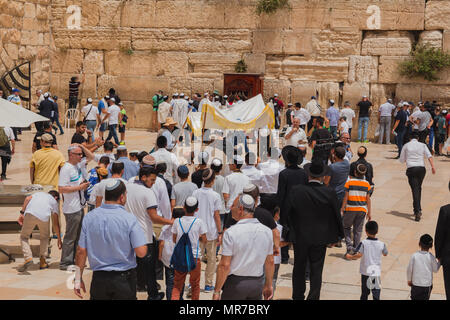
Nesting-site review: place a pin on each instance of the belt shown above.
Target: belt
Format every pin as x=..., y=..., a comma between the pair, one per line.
x=104, y=272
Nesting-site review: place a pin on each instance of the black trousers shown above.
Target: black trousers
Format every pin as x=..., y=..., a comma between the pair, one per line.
x=6, y=157
x=146, y=270
x=365, y=290
x=316, y=257
x=243, y=288
x=113, y=285
x=421, y=293
x=73, y=101
x=446, y=268
x=423, y=135
x=415, y=179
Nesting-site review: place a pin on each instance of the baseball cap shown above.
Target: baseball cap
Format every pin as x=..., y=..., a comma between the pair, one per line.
x=46, y=137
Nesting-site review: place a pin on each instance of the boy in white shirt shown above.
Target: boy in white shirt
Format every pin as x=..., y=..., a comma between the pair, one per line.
x=197, y=232
x=166, y=247
x=370, y=250
x=209, y=205
x=420, y=270
x=343, y=125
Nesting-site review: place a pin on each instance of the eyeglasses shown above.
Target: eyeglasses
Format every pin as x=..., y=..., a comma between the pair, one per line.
x=77, y=154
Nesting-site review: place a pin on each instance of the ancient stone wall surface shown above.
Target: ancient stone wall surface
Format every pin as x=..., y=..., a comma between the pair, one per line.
x=341, y=49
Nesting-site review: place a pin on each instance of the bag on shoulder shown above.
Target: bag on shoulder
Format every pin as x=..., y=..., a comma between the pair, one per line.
x=3, y=138
x=182, y=258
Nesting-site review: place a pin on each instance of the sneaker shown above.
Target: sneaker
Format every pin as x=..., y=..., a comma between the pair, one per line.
x=359, y=141
x=189, y=292
x=62, y=268
x=366, y=141
x=43, y=264
x=25, y=265
x=159, y=296
x=209, y=288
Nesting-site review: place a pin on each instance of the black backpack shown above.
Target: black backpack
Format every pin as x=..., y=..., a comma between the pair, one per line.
x=182, y=258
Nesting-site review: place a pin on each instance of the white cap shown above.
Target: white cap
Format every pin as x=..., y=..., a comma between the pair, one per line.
x=331, y=101
x=46, y=95
x=275, y=95
x=113, y=100
x=89, y=100
x=191, y=201
x=175, y=94
x=186, y=97
x=238, y=158
x=247, y=201
x=134, y=151
x=225, y=96
x=250, y=187
x=203, y=156
x=182, y=94
x=217, y=162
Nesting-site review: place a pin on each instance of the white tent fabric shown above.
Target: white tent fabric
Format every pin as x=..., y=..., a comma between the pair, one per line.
x=194, y=121
x=15, y=116
x=250, y=114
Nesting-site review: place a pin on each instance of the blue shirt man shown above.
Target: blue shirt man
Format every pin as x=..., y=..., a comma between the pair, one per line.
x=131, y=169
x=333, y=116
x=110, y=238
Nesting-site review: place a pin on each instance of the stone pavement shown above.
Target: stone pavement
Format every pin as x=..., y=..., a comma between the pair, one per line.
x=392, y=209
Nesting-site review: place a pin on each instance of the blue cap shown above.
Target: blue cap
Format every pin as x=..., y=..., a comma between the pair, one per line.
x=183, y=170
x=15, y=90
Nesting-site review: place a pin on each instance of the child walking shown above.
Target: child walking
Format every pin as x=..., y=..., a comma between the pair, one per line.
x=196, y=230
x=420, y=270
x=370, y=251
x=355, y=207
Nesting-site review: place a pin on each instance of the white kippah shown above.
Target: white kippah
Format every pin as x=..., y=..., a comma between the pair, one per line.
x=249, y=188
x=191, y=201
x=238, y=159
x=121, y=147
x=89, y=100
x=112, y=185
x=247, y=201
x=217, y=162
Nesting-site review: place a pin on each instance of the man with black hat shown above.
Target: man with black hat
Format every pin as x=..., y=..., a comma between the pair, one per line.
x=287, y=179
x=315, y=222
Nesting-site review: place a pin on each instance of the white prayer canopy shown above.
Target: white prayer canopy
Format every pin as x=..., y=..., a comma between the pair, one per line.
x=15, y=116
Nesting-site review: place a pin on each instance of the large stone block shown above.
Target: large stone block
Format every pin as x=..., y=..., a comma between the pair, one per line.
x=301, y=91
x=379, y=93
x=30, y=38
x=213, y=62
x=89, y=87
x=273, y=66
x=327, y=91
x=409, y=92
x=180, y=84
x=134, y=88
x=12, y=50
x=90, y=12
x=120, y=63
x=202, y=85
x=281, y=87
x=362, y=69
x=42, y=12
x=337, y=43
x=29, y=10
x=171, y=64
x=192, y=40
x=111, y=16
x=256, y=62
x=297, y=42
x=353, y=92
x=300, y=68
x=143, y=115
x=446, y=41
x=12, y=36
x=6, y=21
x=139, y=14
x=92, y=38
x=239, y=14
x=93, y=62
x=432, y=38
x=67, y=60
x=436, y=14
x=267, y=41
x=390, y=43
x=280, y=19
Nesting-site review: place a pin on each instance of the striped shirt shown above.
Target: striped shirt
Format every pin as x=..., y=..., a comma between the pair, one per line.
x=73, y=89
x=357, y=189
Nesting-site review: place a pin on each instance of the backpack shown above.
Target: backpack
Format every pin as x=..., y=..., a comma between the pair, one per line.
x=93, y=180
x=182, y=258
x=3, y=138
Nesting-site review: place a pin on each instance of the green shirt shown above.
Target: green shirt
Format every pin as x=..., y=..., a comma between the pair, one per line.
x=123, y=112
x=440, y=122
x=157, y=100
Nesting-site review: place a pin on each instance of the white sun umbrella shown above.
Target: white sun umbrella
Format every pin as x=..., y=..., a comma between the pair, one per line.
x=12, y=115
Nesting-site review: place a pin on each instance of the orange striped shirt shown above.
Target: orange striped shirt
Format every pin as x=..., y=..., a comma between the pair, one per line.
x=357, y=189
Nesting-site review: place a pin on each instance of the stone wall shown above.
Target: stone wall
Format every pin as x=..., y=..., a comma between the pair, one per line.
x=341, y=48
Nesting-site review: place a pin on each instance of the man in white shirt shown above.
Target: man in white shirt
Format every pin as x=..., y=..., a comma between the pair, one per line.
x=314, y=110
x=164, y=111
x=90, y=113
x=169, y=158
x=250, y=169
x=113, y=121
x=349, y=115
x=302, y=114
x=117, y=170
x=234, y=182
x=413, y=154
x=36, y=211
x=72, y=185
x=203, y=101
x=295, y=135
x=141, y=201
x=384, y=119
x=247, y=257
x=270, y=170
x=209, y=204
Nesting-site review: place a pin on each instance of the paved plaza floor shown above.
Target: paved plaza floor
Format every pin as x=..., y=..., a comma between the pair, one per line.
x=392, y=209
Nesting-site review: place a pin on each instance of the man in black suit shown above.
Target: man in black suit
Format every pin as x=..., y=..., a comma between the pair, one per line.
x=288, y=178
x=442, y=244
x=315, y=223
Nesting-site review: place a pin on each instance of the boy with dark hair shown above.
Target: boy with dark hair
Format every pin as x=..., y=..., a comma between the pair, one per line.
x=196, y=230
x=355, y=206
x=370, y=250
x=420, y=270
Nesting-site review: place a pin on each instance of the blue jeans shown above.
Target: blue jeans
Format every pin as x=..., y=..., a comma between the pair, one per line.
x=56, y=119
x=430, y=138
x=113, y=133
x=399, y=140
x=91, y=124
x=363, y=121
x=333, y=131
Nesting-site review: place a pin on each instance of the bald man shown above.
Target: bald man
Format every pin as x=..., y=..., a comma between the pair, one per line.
x=345, y=138
x=362, y=153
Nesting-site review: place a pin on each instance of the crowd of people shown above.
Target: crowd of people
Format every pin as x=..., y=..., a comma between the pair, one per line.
x=151, y=217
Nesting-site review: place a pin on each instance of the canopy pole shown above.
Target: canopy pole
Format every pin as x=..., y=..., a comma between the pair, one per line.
x=203, y=125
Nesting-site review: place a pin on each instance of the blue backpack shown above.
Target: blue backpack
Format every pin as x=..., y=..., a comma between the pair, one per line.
x=182, y=258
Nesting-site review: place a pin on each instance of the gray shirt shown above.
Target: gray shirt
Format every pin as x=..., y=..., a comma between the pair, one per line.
x=181, y=191
x=339, y=175
x=424, y=118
